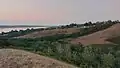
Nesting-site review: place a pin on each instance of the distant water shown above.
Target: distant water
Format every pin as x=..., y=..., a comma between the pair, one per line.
x=18, y=28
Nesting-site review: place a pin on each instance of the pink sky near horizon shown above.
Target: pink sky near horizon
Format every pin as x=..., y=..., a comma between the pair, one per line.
x=57, y=11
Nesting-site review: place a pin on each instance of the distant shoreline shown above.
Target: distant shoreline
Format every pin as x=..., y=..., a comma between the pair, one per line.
x=18, y=26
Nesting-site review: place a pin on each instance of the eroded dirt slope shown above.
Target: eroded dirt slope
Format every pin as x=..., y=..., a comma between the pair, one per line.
x=99, y=37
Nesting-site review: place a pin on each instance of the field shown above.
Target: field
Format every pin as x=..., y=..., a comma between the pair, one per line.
x=51, y=32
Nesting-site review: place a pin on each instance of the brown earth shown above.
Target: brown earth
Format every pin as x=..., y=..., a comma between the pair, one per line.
x=99, y=37
x=12, y=58
x=50, y=32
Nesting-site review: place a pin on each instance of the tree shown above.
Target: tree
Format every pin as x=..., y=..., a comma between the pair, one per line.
x=90, y=23
x=86, y=24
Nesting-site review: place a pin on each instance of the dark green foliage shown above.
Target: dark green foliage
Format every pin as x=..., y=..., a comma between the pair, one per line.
x=89, y=28
x=93, y=56
x=18, y=33
x=79, y=55
x=85, y=29
x=114, y=40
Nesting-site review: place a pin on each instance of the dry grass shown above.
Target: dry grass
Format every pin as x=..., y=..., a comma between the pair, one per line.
x=99, y=37
x=51, y=32
x=11, y=58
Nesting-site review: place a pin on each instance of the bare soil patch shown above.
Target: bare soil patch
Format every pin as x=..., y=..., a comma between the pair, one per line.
x=99, y=37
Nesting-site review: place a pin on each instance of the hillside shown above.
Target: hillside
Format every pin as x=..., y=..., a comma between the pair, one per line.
x=50, y=32
x=11, y=58
x=99, y=37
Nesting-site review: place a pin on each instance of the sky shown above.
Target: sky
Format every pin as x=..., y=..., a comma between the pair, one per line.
x=56, y=12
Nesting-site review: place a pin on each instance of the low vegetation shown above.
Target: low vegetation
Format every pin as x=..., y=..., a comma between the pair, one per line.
x=81, y=56
x=92, y=56
x=18, y=33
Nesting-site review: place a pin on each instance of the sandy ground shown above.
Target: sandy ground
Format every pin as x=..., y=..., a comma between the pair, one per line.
x=12, y=58
x=99, y=37
x=51, y=32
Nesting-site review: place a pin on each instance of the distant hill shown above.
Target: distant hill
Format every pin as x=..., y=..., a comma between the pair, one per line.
x=43, y=33
x=12, y=58
x=99, y=37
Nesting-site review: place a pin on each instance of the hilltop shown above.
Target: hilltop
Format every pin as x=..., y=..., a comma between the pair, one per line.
x=12, y=58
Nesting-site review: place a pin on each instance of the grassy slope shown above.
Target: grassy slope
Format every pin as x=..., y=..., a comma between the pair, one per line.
x=19, y=58
x=50, y=32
